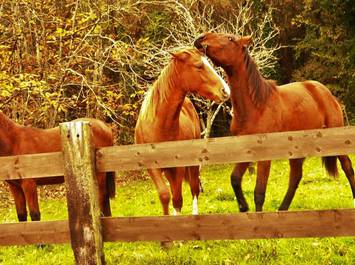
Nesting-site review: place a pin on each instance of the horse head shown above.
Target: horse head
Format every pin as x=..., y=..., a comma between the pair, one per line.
x=225, y=50
x=198, y=76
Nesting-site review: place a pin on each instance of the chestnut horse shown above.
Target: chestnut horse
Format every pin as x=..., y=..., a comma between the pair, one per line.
x=18, y=140
x=167, y=115
x=260, y=106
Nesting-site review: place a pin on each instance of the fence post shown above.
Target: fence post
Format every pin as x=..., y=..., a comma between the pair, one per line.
x=82, y=193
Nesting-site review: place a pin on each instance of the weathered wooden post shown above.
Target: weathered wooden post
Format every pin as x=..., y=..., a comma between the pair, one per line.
x=82, y=193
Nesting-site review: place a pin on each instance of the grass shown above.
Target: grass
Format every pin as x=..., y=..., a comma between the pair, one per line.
x=139, y=198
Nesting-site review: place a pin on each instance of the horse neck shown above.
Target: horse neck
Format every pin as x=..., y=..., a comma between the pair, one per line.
x=169, y=108
x=8, y=132
x=249, y=90
x=241, y=101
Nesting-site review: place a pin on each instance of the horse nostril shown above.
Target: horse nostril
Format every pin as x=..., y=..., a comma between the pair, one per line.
x=197, y=44
x=225, y=93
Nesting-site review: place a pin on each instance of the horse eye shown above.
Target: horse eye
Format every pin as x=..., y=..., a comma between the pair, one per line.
x=231, y=38
x=199, y=66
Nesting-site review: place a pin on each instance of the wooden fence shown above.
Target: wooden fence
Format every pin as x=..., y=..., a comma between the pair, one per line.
x=86, y=231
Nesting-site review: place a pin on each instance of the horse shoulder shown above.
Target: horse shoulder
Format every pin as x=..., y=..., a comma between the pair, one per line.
x=189, y=122
x=189, y=110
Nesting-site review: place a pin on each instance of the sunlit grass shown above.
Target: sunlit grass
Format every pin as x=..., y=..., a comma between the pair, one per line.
x=139, y=198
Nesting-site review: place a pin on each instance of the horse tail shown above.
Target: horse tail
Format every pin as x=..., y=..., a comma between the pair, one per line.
x=330, y=163
x=111, y=184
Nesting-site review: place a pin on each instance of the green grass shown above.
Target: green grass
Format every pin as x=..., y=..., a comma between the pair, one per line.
x=139, y=198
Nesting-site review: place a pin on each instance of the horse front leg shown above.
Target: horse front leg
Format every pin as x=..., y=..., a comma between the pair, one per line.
x=194, y=181
x=29, y=187
x=20, y=200
x=294, y=180
x=263, y=172
x=162, y=188
x=236, y=182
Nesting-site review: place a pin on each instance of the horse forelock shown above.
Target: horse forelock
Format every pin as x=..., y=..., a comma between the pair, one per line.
x=158, y=93
x=259, y=88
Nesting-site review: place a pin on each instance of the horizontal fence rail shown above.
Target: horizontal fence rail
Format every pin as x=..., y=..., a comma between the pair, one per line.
x=283, y=145
x=294, y=224
x=86, y=231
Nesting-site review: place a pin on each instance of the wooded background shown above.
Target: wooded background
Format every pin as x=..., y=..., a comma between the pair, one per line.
x=65, y=59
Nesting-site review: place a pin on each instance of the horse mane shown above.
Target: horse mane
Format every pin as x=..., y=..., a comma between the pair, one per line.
x=157, y=94
x=259, y=88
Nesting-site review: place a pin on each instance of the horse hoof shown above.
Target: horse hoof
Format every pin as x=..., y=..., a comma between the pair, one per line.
x=243, y=209
x=41, y=246
x=166, y=244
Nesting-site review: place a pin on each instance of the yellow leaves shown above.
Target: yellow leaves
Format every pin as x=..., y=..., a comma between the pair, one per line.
x=85, y=17
x=113, y=96
x=129, y=109
x=4, y=92
x=22, y=82
x=142, y=42
x=7, y=87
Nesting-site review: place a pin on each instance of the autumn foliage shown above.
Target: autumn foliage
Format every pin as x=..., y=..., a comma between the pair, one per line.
x=62, y=60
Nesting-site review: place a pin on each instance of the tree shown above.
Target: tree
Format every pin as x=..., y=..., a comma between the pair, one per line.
x=327, y=51
x=67, y=59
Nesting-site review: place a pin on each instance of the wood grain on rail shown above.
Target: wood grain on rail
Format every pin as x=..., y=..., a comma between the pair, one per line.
x=282, y=145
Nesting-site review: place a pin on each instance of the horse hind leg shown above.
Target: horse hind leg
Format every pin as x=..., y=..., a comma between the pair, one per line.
x=20, y=201
x=175, y=177
x=236, y=182
x=294, y=180
x=29, y=187
x=263, y=172
x=104, y=198
x=349, y=172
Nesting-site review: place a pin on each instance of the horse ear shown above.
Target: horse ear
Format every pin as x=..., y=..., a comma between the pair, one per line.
x=182, y=56
x=171, y=53
x=245, y=41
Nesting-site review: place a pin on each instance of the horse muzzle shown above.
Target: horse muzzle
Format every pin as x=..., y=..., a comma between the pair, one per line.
x=199, y=45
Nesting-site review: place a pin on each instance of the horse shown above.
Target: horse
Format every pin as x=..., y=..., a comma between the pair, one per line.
x=168, y=115
x=260, y=106
x=19, y=140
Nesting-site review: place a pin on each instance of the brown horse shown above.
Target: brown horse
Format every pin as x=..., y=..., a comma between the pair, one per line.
x=167, y=115
x=19, y=140
x=260, y=106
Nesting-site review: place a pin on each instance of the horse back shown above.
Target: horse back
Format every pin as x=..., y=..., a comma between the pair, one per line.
x=308, y=105
x=34, y=140
x=101, y=132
